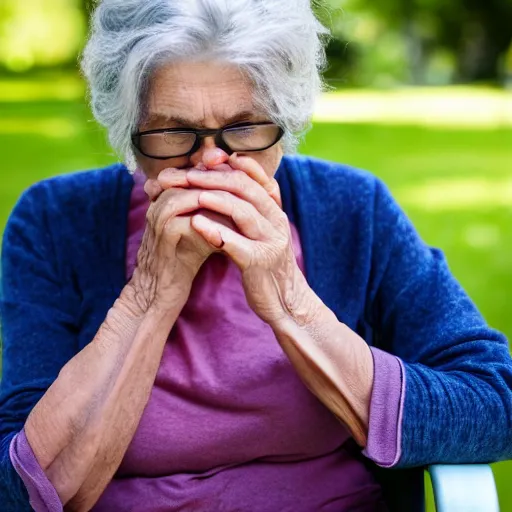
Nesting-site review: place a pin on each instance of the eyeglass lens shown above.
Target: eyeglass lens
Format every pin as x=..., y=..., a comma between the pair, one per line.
x=243, y=138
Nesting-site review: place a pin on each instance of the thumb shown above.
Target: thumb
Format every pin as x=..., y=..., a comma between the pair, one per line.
x=153, y=189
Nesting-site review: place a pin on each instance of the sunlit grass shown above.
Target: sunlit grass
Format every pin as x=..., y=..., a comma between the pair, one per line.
x=455, y=194
x=455, y=183
x=456, y=107
x=55, y=87
x=56, y=127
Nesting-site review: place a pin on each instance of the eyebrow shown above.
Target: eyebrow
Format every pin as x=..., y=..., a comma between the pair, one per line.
x=166, y=121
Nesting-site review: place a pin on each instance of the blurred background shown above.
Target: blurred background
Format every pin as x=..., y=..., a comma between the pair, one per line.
x=421, y=95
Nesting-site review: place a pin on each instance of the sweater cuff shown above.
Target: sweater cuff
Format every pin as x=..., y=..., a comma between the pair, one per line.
x=42, y=494
x=386, y=410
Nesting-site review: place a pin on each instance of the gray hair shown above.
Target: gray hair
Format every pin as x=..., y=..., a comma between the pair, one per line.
x=277, y=44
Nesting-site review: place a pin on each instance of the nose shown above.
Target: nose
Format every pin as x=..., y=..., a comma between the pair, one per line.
x=209, y=154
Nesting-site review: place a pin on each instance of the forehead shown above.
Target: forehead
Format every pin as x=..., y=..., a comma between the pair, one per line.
x=201, y=93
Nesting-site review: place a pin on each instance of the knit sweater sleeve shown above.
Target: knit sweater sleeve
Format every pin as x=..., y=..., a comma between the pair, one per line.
x=38, y=331
x=457, y=370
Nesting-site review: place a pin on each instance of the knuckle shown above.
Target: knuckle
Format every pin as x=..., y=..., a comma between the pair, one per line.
x=242, y=211
x=250, y=211
x=171, y=231
x=169, y=194
x=281, y=224
x=283, y=243
x=282, y=218
x=169, y=211
x=241, y=180
x=150, y=214
x=159, y=218
x=168, y=227
x=153, y=214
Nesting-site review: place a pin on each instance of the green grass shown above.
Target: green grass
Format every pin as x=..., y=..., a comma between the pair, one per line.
x=455, y=183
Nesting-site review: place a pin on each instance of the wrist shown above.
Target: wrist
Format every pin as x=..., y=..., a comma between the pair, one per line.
x=302, y=306
x=136, y=307
x=145, y=293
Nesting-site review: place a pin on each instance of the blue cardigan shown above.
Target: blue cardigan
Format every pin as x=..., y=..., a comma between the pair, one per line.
x=63, y=265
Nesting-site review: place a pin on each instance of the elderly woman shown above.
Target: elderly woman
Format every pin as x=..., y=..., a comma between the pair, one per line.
x=226, y=328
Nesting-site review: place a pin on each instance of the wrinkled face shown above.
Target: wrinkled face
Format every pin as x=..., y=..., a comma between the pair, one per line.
x=201, y=95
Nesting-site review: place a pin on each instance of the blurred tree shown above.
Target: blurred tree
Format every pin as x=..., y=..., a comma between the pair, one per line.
x=477, y=32
x=404, y=17
x=374, y=43
x=39, y=33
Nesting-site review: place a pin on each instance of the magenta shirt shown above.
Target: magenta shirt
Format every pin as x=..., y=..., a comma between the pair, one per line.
x=229, y=424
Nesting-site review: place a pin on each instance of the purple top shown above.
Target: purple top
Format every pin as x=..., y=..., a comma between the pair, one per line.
x=229, y=423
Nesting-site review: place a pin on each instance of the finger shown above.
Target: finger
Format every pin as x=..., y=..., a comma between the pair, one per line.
x=275, y=192
x=247, y=219
x=238, y=183
x=172, y=203
x=152, y=189
x=255, y=171
x=169, y=178
x=220, y=219
x=173, y=177
x=252, y=168
x=239, y=248
x=217, y=217
x=222, y=167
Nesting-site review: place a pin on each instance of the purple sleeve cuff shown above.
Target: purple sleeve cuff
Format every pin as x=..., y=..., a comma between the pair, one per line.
x=43, y=496
x=386, y=409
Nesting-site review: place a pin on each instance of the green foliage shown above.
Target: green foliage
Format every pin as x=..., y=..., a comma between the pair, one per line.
x=381, y=43
x=40, y=33
x=476, y=33
x=417, y=41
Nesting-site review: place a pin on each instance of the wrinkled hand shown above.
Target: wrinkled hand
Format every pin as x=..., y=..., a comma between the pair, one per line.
x=251, y=228
x=171, y=252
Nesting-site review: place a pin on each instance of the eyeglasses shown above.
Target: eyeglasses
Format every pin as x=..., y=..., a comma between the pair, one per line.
x=175, y=142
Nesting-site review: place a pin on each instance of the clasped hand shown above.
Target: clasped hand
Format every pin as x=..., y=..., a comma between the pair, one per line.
x=234, y=208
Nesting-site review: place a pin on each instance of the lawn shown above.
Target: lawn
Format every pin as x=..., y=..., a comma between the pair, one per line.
x=453, y=179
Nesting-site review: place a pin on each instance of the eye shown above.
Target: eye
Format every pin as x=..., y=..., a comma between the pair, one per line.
x=243, y=131
x=254, y=137
x=178, y=137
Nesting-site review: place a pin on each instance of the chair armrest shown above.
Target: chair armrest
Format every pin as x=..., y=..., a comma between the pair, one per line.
x=464, y=488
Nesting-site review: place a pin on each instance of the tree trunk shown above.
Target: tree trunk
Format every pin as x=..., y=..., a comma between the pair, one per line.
x=486, y=37
x=480, y=55
x=415, y=53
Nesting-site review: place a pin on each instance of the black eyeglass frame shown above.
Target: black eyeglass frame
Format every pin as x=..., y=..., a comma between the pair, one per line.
x=201, y=134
